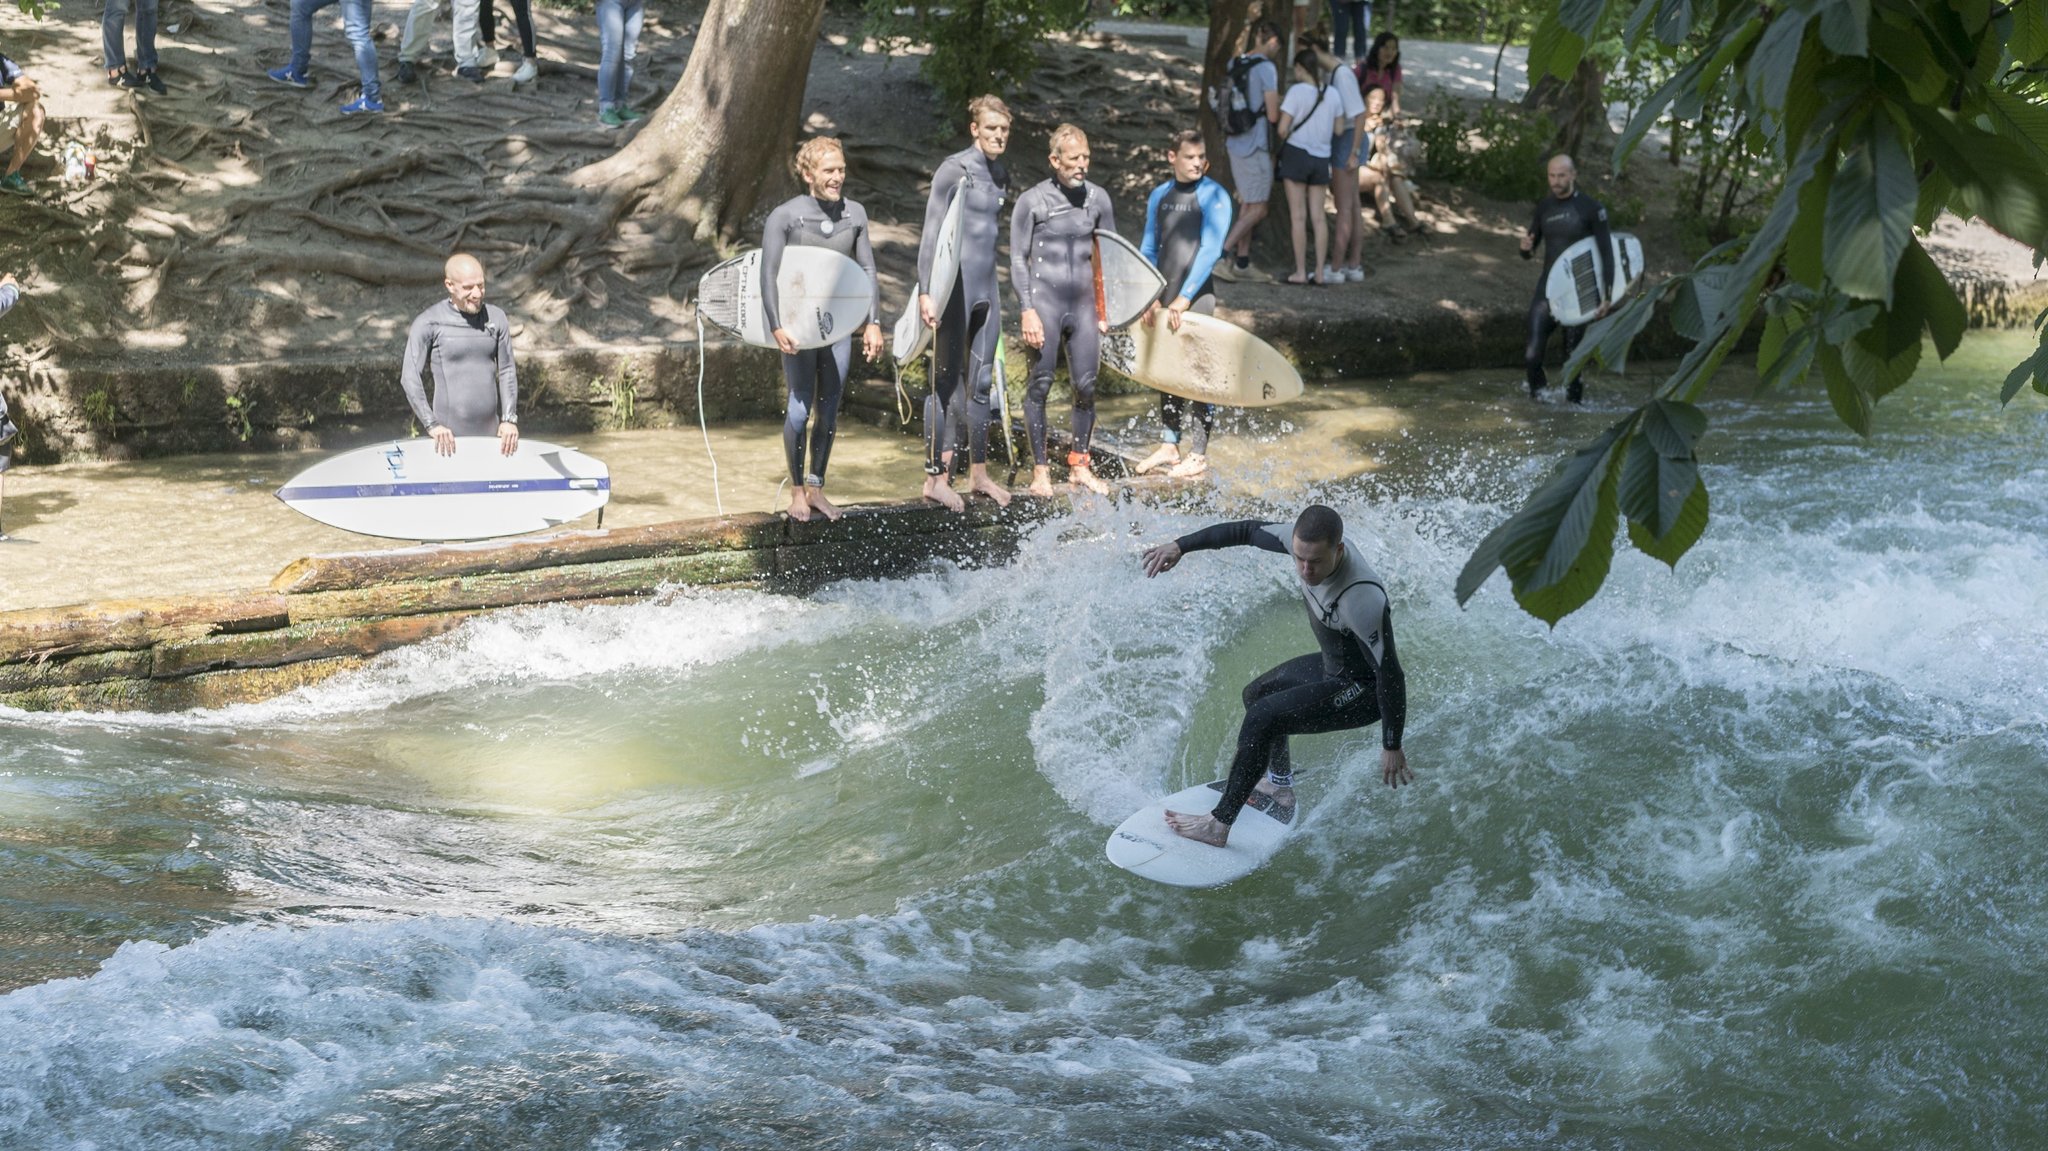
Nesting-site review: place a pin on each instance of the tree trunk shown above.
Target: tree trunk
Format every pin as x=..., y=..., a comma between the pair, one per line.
x=1227, y=22
x=722, y=139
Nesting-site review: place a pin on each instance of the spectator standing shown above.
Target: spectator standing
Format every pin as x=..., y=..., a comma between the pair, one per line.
x=1383, y=67
x=113, y=19
x=355, y=24
x=618, y=37
x=10, y=291
x=21, y=122
x=1353, y=17
x=473, y=58
x=1186, y=219
x=1348, y=149
x=522, y=15
x=467, y=344
x=1310, y=117
x=1256, y=81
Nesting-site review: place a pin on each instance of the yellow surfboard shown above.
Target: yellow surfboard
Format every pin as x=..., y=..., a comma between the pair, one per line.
x=1208, y=359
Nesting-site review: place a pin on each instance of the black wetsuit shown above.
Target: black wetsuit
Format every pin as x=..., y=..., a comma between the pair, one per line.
x=1185, y=226
x=1052, y=270
x=972, y=319
x=1558, y=224
x=816, y=377
x=1356, y=678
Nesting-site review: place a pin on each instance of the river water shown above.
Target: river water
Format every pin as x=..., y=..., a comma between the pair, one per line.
x=1745, y=855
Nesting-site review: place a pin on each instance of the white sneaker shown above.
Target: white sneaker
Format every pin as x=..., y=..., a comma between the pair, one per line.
x=488, y=58
x=527, y=71
x=1331, y=275
x=1354, y=274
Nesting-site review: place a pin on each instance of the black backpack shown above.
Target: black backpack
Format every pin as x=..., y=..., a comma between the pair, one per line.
x=1232, y=99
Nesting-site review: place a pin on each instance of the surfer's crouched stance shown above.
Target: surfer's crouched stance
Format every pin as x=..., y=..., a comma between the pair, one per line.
x=1355, y=680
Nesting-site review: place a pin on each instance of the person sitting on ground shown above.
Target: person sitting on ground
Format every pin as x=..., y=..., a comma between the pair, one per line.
x=10, y=291
x=1386, y=174
x=355, y=24
x=113, y=18
x=1256, y=80
x=816, y=377
x=474, y=57
x=618, y=37
x=1186, y=220
x=1310, y=118
x=487, y=28
x=468, y=346
x=21, y=122
x=1382, y=66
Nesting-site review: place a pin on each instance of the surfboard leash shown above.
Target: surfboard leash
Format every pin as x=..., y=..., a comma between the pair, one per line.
x=702, y=424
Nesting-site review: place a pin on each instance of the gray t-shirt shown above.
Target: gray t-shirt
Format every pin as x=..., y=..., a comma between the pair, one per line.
x=1263, y=79
x=470, y=354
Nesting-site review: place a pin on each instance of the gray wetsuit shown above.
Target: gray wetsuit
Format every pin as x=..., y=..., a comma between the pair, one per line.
x=816, y=377
x=470, y=354
x=1052, y=270
x=965, y=351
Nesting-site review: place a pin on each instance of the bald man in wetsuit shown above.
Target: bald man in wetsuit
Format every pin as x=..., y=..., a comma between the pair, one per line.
x=1354, y=680
x=467, y=344
x=1562, y=219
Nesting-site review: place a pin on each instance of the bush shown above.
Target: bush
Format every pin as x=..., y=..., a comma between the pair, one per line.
x=977, y=45
x=1499, y=153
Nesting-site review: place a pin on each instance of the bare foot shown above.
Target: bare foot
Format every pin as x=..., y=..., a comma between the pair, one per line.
x=799, y=507
x=1167, y=454
x=1200, y=828
x=938, y=491
x=1194, y=465
x=1084, y=476
x=816, y=498
x=978, y=480
x=1041, y=482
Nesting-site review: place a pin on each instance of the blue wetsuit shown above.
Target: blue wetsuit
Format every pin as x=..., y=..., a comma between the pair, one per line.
x=1185, y=226
x=966, y=338
x=1052, y=270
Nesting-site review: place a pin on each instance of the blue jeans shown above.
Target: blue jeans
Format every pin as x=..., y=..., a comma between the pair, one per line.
x=1350, y=16
x=355, y=24
x=113, y=18
x=618, y=37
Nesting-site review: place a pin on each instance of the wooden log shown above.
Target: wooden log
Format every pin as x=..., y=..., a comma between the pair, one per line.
x=340, y=571
x=550, y=585
x=130, y=625
x=298, y=643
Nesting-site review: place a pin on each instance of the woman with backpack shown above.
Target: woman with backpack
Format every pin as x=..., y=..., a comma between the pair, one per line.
x=1311, y=116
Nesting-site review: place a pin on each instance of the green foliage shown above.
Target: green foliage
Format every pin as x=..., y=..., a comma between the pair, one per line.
x=36, y=9
x=1499, y=152
x=1172, y=11
x=977, y=46
x=1878, y=115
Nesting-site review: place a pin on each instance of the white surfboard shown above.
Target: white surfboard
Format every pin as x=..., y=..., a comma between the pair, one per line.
x=823, y=295
x=1126, y=283
x=401, y=489
x=911, y=336
x=1208, y=359
x=1576, y=289
x=1144, y=845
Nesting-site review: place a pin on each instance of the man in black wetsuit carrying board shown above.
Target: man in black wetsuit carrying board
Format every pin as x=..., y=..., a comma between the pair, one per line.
x=1353, y=681
x=1563, y=218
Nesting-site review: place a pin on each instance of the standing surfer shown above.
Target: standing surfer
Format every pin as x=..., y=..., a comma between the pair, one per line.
x=467, y=344
x=816, y=377
x=1052, y=270
x=1355, y=680
x=971, y=319
x=1562, y=219
x=1187, y=220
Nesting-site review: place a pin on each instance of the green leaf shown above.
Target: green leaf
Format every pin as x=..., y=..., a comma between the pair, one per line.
x=1851, y=403
x=1675, y=21
x=1876, y=372
x=1869, y=216
x=1685, y=531
x=1784, y=361
x=1653, y=109
x=2029, y=42
x=1993, y=177
x=1673, y=427
x=1769, y=74
x=2034, y=367
x=1746, y=283
x=1845, y=27
x=1803, y=260
x=1554, y=50
x=2022, y=121
x=1923, y=296
x=1559, y=559
x=1582, y=17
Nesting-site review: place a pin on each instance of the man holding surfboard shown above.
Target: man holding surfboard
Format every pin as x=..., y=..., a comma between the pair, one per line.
x=1187, y=220
x=1355, y=679
x=468, y=346
x=1562, y=219
x=1052, y=270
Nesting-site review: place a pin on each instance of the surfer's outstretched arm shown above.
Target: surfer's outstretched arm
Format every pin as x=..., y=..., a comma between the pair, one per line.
x=1230, y=534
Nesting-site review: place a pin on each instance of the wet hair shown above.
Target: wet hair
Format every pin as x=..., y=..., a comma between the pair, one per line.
x=1372, y=58
x=1064, y=134
x=1183, y=138
x=983, y=105
x=1319, y=525
x=1261, y=31
x=813, y=152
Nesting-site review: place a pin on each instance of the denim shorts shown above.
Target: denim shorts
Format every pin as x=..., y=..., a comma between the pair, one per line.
x=1297, y=166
